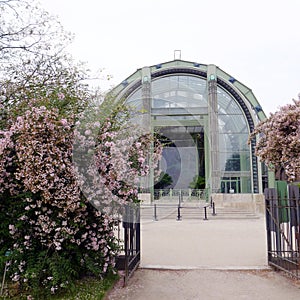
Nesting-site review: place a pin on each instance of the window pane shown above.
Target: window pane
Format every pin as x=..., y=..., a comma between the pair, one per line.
x=135, y=100
x=179, y=91
x=232, y=124
x=233, y=142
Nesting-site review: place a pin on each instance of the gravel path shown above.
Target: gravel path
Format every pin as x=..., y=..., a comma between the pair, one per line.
x=148, y=284
x=196, y=259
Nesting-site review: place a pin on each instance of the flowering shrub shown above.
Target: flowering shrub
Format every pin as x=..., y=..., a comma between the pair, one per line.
x=58, y=185
x=111, y=173
x=279, y=140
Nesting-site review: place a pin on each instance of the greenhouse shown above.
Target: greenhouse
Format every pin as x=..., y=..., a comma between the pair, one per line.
x=204, y=117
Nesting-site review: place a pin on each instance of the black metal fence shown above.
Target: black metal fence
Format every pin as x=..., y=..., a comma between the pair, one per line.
x=283, y=230
x=161, y=210
x=129, y=236
x=184, y=193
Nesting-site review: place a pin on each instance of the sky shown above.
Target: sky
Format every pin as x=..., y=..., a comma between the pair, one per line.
x=257, y=42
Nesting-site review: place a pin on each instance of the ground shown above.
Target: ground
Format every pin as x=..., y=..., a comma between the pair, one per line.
x=147, y=284
x=197, y=259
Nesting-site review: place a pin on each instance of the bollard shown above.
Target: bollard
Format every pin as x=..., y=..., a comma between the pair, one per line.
x=214, y=209
x=205, y=213
x=155, y=213
x=178, y=214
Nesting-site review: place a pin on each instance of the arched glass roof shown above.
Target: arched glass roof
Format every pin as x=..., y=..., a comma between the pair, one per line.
x=230, y=115
x=135, y=100
x=180, y=90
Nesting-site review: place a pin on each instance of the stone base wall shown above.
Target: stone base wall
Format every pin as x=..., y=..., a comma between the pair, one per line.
x=145, y=198
x=252, y=202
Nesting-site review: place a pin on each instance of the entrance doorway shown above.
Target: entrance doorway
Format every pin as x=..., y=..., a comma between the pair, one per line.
x=231, y=185
x=183, y=157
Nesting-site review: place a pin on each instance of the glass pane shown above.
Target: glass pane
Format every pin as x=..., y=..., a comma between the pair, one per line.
x=227, y=104
x=135, y=100
x=183, y=157
x=179, y=91
x=232, y=124
x=233, y=142
x=234, y=161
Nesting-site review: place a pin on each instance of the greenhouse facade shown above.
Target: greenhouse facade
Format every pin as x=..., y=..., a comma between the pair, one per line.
x=204, y=117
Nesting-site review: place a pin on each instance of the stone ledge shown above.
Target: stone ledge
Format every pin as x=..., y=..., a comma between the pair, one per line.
x=251, y=202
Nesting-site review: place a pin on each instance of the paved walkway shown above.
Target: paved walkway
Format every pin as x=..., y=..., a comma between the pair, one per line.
x=204, y=244
x=197, y=259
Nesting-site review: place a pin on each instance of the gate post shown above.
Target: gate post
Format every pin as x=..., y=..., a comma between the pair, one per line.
x=132, y=240
x=282, y=222
x=268, y=201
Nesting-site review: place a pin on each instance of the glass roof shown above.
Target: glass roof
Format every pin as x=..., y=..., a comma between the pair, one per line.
x=186, y=91
x=179, y=91
x=230, y=115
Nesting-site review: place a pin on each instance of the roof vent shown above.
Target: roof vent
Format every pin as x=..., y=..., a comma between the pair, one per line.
x=258, y=108
x=177, y=54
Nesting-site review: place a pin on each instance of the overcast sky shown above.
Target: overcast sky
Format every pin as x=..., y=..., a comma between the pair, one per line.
x=255, y=41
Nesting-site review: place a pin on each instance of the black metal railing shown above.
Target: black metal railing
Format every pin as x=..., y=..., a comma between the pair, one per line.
x=160, y=211
x=283, y=230
x=184, y=193
x=129, y=236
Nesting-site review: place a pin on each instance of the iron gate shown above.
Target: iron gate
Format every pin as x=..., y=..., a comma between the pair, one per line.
x=130, y=255
x=283, y=229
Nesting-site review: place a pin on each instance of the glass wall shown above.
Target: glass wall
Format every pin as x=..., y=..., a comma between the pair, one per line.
x=135, y=100
x=176, y=101
x=235, y=160
x=183, y=158
x=179, y=103
x=179, y=91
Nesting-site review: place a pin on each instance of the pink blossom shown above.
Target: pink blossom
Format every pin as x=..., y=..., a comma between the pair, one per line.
x=41, y=147
x=141, y=159
x=279, y=140
x=88, y=132
x=64, y=122
x=61, y=96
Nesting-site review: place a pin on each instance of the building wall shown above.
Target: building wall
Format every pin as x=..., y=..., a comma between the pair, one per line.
x=191, y=95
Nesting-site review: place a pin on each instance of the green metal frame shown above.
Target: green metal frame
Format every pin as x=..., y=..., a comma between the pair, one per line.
x=248, y=101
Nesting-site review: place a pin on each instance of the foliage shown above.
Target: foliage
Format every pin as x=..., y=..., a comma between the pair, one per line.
x=55, y=235
x=87, y=288
x=163, y=181
x=90, y=289
x=198, y=182
x=33, y=62
x=66, y=165
x=115, y=169
x=50, y=225
x=28, y=28
x=279, y=140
